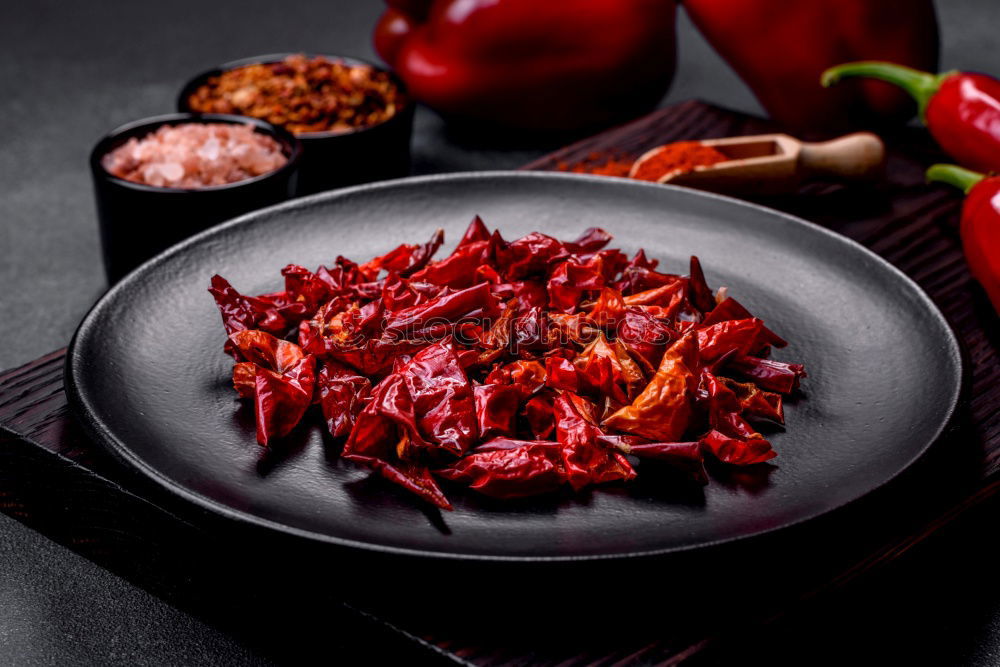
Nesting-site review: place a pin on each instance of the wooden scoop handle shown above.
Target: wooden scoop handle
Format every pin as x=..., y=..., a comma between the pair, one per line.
x=854, y=157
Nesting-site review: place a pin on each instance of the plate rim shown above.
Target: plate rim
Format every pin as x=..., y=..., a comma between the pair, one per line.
x=99, y=432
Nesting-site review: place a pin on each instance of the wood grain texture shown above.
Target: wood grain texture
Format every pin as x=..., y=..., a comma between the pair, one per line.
x=52, y=479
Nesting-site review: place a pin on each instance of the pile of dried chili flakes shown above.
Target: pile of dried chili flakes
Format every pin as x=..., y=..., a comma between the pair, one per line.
x=514, y=368
x=303, y=94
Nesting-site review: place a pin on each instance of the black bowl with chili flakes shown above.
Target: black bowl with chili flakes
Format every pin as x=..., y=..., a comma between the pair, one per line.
x=355, y=124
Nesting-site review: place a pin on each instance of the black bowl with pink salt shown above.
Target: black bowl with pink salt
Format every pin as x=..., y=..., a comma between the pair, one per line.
x=159, y=180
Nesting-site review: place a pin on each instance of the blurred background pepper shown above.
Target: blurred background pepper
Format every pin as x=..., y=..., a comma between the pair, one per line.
x=780, y=48
x=980, y=226
x=961, y=110
x=551, y=65
x=569, y=64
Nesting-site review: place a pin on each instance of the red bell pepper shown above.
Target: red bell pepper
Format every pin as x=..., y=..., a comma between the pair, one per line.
x=780, y=47
x=961, y=110
x=980, y=226
x=556, y=64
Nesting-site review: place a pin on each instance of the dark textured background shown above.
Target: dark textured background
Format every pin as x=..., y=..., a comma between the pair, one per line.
x=72, y=71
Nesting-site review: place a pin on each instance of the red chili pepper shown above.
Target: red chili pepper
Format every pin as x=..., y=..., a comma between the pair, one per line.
x=980, y=226
x=496, y=409
x=585, y=461
x=263, y=349
x=557, y=64
x=739, y=337
x=780, y=47
x=663, y=410
x=474, y=302
x=961, y=109
x=535, y=365
x=686, y=456
x=767, y=373
x=280, y=399
x=342, y=395
x=505, y=468
x=272, y=313
x=571, y=279
x=731, y=439
x=431, y=398
x=405, y=259
x=756, y=404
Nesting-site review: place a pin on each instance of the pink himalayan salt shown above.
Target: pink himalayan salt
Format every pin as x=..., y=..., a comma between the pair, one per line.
x=195, y=155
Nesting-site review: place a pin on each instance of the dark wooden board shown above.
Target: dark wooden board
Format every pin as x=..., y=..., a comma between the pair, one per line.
x=52, y=479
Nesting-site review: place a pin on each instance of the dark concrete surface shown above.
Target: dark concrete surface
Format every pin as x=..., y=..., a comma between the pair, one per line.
x=71, y=71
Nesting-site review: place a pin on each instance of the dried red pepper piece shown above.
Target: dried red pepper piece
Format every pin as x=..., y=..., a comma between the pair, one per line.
x=768, y=374
x=342, y=394
x=737, y=451
x=570, y=279
x=578, y=328
x=245, y=378
x=731, y=309
x=730, y=338
x=755, y=403
x=376, y=443
x=241, y=312
x=496, y=409
x=539, y=412
x=592, y=240
x=476, y=231
x=698, y=291
x=277, y=375
x=370, y=449
x=431, y=399
x=473, y=303
x=560, y=373
x=585, y=460
x=527, y=375
x=641, y=277
x=404, y=259
x=645, y=337
x=663, y=410
x=280, y=400
x=609, y=308
x=458, y=270
x=529, y=255
x=684, y=456
x=530, y=332
x=616, y=372
x=305, y=287
x=731, y=439
x=506, y=469
x=263, y=349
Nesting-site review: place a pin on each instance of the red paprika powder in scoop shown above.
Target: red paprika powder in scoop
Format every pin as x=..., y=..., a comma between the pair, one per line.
x=678, y=157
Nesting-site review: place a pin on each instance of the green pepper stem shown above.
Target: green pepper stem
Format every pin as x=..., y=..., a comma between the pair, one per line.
x=952, y=174
x=920, y=85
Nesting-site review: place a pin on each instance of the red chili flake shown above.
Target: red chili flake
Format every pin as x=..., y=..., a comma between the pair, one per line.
x=513, y=368
x=303, y=94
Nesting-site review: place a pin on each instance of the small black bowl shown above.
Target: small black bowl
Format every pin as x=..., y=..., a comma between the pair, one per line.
x=336, y=159
x=138, y=221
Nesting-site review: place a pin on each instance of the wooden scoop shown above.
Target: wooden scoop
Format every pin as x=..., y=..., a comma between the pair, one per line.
x=778, y=163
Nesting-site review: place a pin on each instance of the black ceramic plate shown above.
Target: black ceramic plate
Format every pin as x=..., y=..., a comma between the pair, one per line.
x=148, y=376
